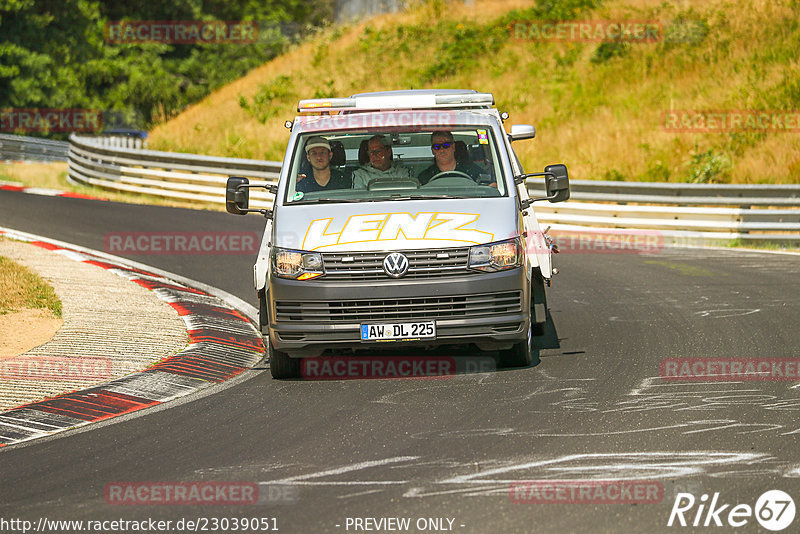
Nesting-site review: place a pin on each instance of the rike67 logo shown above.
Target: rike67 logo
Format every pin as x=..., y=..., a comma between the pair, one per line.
x=774, y=510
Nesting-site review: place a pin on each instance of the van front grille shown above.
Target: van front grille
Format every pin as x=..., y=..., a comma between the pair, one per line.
x=359, y=266
x=400, y=309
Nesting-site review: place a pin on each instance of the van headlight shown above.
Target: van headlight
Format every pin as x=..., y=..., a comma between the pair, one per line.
x=498, y=256
x=296, y=264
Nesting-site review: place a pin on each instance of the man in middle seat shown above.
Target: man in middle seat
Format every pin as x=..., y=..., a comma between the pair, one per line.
x=381, y=164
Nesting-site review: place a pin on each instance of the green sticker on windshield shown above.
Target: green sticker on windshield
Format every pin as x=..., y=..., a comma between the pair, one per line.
x=482, y=137
x=298, y=195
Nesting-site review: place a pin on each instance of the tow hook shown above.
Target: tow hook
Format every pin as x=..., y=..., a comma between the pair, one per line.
x=553, y=249
x=550, y=242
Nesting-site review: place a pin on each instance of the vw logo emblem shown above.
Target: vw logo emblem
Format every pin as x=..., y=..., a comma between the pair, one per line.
x=395, y=265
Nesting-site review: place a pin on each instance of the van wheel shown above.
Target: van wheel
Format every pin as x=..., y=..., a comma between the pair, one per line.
x=520, y=355
x=538, y=304
x=280, y=364
x=263, y=321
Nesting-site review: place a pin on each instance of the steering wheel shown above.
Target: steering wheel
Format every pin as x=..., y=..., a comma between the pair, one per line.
x=459, y=174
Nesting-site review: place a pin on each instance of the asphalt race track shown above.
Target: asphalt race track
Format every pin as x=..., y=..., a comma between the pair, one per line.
x=594, y=407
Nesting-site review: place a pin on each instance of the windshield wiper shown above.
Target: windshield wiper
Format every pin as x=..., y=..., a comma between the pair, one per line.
x=372, y=199
x=323, y=201
x=420, y=197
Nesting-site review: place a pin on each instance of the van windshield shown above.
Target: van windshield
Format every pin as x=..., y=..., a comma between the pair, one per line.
x=375, y=166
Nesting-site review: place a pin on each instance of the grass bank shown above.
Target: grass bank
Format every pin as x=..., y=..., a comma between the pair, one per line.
x=598, y=106
x=22, y=289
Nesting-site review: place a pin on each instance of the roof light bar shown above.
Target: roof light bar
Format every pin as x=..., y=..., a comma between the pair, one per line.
x=390, y=102
x=325, y=104
x=475, y=99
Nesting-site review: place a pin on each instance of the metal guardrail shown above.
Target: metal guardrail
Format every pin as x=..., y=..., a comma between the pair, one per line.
x=682, y=213
x=164, y=174
x=120, y=141
x=22, y=148
x=687, y=194
x=678, y=213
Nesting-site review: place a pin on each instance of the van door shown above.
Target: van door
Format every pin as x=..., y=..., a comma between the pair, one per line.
x=538, y=252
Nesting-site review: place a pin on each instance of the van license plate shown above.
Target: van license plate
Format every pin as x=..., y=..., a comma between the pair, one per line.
x=398, y=331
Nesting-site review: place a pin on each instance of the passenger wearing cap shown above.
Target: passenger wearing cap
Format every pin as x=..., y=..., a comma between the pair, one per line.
x=318, y=153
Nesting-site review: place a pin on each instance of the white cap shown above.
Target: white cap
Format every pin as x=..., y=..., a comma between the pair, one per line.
x=317, y=141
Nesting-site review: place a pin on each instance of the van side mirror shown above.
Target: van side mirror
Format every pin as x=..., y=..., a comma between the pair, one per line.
x=557, y=183
x=237, y=199
x=237, y=196
x=521, y=131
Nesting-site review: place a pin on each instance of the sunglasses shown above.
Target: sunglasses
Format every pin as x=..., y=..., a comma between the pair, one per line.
x=438, y=146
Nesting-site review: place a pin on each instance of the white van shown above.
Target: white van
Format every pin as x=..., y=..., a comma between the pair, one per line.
x=401, y=218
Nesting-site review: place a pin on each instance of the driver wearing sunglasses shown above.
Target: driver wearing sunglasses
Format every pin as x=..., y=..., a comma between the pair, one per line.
x=443, y=147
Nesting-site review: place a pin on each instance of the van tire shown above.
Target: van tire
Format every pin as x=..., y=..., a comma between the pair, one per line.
x=280, y=364
x=538, y=304
x=263, y=320
x=520, y=355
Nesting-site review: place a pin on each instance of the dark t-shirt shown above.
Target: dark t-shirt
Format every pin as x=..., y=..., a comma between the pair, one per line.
x=467, y=167
x=338, y=181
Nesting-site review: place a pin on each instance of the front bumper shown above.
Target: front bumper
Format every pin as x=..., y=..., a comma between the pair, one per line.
x=491, y=310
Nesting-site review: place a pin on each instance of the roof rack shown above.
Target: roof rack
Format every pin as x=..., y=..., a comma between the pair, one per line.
x=392, y=100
